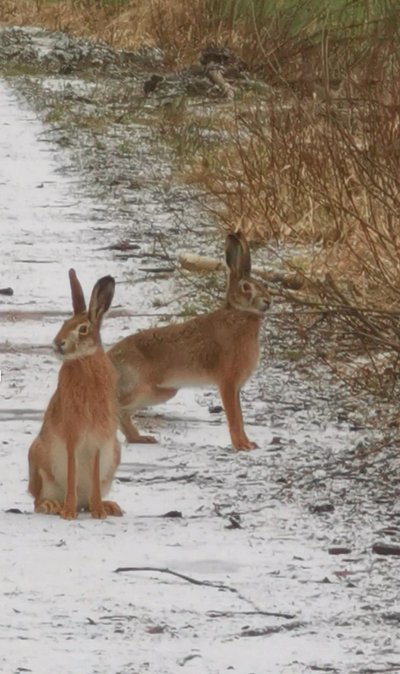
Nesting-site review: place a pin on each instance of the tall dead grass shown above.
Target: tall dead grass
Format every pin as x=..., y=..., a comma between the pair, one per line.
x=120, y=24
x=281, y=39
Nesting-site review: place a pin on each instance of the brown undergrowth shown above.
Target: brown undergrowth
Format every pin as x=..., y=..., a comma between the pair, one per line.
x=281, y=39
x=318, y=169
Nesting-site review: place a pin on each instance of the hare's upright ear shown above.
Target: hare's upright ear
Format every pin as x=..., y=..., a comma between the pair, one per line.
x=237, y=254
x=233, y=253
x=101, y=298
x=78, y=298
x=246, y=257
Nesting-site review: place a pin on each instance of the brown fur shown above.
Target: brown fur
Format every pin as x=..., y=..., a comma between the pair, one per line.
x=73, y=460
x=218, y=348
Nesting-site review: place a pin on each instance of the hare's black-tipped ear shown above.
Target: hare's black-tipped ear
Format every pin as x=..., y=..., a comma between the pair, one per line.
x=233, y=253
x=78, y=298
x=246, y=257
x=237, y=254
x=101, y=298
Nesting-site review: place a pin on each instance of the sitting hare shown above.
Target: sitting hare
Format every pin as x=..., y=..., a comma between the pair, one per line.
x=73, y=460
x=218, y=348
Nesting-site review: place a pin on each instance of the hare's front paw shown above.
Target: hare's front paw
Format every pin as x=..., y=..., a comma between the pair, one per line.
x=67, y=513
x=113, y=508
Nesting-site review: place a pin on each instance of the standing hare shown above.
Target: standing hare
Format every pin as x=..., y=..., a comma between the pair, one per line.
x=217, y=348
x=73, y=460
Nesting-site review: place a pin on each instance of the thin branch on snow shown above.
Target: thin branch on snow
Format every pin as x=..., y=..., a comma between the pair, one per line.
x=206, y=583
x=232, y=614
x=267, y=631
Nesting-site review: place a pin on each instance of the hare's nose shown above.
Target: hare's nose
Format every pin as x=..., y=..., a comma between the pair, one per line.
x=59, y=346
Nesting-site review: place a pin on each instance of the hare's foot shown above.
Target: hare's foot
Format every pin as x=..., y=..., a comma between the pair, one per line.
x=245, y=445
x=242, y=443
x=230, y=396
x=67, y=513
x=112, y=508
x=144, y=439
x=48, y=507
x=99, y=512
x=131, y=432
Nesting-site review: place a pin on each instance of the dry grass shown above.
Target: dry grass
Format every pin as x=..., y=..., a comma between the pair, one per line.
x=120, y=24
x=180, y=27
x=280, y=39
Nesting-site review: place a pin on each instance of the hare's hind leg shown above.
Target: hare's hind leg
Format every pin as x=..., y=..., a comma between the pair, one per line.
x=131, y=431
x=230, y=396
x=44, y=489
x=49, y=498
x=48, y=507
x=145, y=396
x=35, y=479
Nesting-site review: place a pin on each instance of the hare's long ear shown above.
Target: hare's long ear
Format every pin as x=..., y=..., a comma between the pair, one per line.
x=246, y=258
x=78, y=298
x=101, y=298
x=233, y=254
x=237, y=255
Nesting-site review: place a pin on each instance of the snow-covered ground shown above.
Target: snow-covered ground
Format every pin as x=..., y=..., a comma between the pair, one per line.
x=274, y=601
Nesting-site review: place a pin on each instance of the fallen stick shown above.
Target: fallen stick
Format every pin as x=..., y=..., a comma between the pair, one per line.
x=386, y=549
x=267, y=631
x=189, y=579
x=203, y=264
x=232, y=614
x=194, y=581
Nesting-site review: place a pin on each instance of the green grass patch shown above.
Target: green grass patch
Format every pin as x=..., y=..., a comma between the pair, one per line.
x=10, y=69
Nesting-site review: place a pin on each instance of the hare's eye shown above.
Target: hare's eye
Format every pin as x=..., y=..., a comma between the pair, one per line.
x=246, y=286
x=83, y=329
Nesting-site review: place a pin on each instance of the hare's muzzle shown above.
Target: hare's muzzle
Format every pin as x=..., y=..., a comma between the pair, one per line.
x=266, y=303
x=263, y=304
x=59, y=346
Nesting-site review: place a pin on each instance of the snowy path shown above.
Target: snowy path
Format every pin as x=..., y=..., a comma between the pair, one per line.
x=62, y=606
